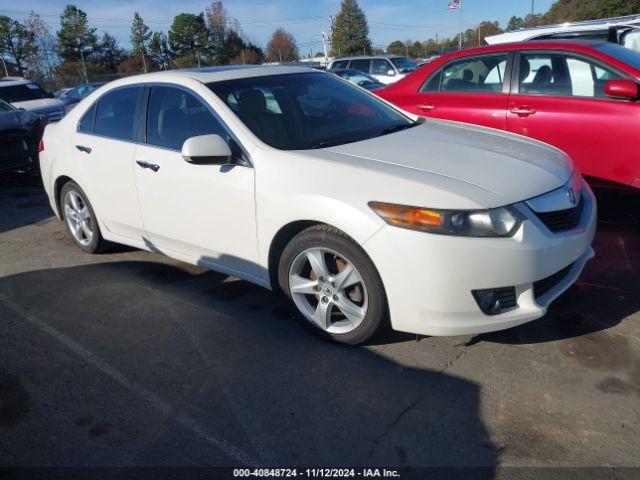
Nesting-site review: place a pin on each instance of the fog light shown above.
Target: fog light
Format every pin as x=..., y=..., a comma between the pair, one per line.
x=488, y=301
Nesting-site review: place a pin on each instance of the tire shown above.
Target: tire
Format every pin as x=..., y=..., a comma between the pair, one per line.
x=346, y=304
x=71, y=194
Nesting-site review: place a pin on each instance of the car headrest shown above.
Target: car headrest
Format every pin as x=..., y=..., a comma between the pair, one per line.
x=467, y=75
x=543, y=75
x=252, y=103
x=525, y=69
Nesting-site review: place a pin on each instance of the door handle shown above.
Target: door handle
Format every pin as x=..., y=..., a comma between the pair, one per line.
x=84, y=149
x=523, y=111
x=150, y=166
x=427, y=107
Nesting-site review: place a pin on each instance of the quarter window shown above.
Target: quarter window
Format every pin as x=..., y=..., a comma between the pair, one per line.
x=174, y=115
x=339, y=64
x=476, y=74
x=562, y=75
x=116, y=113
x=86, y=123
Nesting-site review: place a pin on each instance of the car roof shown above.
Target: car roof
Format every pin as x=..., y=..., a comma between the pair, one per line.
x=577, y=44
x=368, y=57
x=9, y=81
x=219, y=74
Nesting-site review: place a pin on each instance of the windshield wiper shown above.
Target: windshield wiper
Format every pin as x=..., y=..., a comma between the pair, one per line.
x=397, y=128
x=330, y=143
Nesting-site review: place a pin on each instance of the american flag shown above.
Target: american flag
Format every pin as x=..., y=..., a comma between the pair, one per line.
x=455, y=4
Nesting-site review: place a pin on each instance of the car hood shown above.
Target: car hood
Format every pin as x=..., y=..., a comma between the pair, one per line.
x=41, y=103
x=506, y=168
x=19, y=119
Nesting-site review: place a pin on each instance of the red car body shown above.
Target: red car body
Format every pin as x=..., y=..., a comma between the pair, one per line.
x=580, y=96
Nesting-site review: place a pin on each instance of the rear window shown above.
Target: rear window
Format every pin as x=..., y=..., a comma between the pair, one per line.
x=23, y=92
x=361, y=65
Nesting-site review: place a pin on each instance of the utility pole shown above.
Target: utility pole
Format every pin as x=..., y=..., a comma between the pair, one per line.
x=84, y=67
x=6, y=72
x=325, y=37
x=144, y=61
x=533, y=3
x=280, y=54
x=243, y=56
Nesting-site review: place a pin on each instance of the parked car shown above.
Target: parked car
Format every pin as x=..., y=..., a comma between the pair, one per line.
x=357, y=212
x=28, y=95
x=73, y=96
x=358, y=78
x=386, y=69
x=624, y=31
x=20, y=132
x=580, y=96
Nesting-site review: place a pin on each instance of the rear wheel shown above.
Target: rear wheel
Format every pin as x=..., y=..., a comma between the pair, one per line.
x=80, y=219
x=333, y=285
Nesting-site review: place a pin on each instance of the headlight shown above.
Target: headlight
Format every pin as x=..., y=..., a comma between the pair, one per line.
x=497, y=222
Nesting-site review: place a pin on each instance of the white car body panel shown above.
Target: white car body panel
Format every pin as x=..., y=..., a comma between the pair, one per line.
x=185, y=210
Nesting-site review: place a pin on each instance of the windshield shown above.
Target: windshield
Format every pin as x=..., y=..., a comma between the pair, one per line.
x=622, y=54
x=22, y=93
x=308, y=110
x=403, y=64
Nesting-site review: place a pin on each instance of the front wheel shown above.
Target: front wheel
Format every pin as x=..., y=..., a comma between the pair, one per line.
x=334, y=285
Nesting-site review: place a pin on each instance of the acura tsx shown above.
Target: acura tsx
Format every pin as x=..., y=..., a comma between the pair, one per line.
x=296, y=180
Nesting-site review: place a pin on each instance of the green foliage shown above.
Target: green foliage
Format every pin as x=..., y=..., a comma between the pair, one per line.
x=159, y=50
x=140, y=34
x=576, y=10
x=515, y=23
x=350, y=35
x=108, y=53
x=75, y=36
x=188, y=35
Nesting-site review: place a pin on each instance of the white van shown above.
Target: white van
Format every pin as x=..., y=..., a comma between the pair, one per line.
x=386, y=69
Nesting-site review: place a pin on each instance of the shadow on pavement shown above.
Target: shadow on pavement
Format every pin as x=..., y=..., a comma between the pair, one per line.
x=23, y=200
x=222, y=351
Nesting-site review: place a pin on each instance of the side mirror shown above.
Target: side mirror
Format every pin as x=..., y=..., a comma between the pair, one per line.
x=206, y=150
x=391, y=73
x=622, y=89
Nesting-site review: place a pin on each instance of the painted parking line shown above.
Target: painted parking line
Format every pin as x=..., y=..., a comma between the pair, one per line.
x=229, y=449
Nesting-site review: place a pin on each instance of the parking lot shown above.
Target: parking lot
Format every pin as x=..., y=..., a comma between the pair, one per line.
x=132, y=359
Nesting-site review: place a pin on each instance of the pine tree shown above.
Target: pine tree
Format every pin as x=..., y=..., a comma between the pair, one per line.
x=75, y=38
x=140, y=35
x=350, y=35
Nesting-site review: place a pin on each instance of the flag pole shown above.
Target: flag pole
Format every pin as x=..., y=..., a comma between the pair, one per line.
x=460, y=38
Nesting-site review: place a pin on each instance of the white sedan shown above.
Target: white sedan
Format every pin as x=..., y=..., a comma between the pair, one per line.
x=297, y=180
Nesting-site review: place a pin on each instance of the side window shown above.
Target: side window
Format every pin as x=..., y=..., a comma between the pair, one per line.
x=380, y=67
x=174, y=115
x=562, y=75
x=86, y=122
x=476, y=74
x=116, y=113
x=361, y=65
x=433, y=83
x=340, y=64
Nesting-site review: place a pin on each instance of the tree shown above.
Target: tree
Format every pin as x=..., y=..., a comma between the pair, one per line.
x=16, y=42
x=350, y=32
x=515, y=23
x=75, y=38
x=188, y=36
x=248, y=56
x=159, y=50
x=39, y=59
x=140, y=35
x=108, y=53
x=282, y=47
x=396, y=48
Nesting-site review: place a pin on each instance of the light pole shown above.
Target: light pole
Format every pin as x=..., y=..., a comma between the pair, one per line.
x=533, y=3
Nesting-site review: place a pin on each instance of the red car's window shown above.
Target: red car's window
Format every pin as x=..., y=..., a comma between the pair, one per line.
x=475, y=74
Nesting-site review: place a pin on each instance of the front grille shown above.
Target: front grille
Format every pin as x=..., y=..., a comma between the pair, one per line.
x=546, y=284
x=561, y=220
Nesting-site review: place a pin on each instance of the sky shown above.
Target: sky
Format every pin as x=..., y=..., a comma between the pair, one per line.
x=388, y=19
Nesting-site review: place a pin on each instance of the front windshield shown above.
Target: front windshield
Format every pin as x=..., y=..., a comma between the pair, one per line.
x=403, y=64
x=22, y=92
x=308, y=110
x=625, y=55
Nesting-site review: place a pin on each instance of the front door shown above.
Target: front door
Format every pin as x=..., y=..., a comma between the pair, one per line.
x=201, y=213
x=560, y=100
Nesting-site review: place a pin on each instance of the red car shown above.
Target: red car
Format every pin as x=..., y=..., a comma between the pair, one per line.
x=580, y=96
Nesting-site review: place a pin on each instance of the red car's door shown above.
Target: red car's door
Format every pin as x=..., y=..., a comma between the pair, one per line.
x=559, y=98
x=471, y=89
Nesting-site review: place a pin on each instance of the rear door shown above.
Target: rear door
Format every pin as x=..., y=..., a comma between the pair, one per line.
x=559, y=98
x=104, y=148
x=472, y=89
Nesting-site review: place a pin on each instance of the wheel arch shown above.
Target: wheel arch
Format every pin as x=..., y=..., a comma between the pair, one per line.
x=60, y=182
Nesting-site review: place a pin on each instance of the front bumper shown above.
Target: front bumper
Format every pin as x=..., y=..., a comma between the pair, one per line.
x=429, y=278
